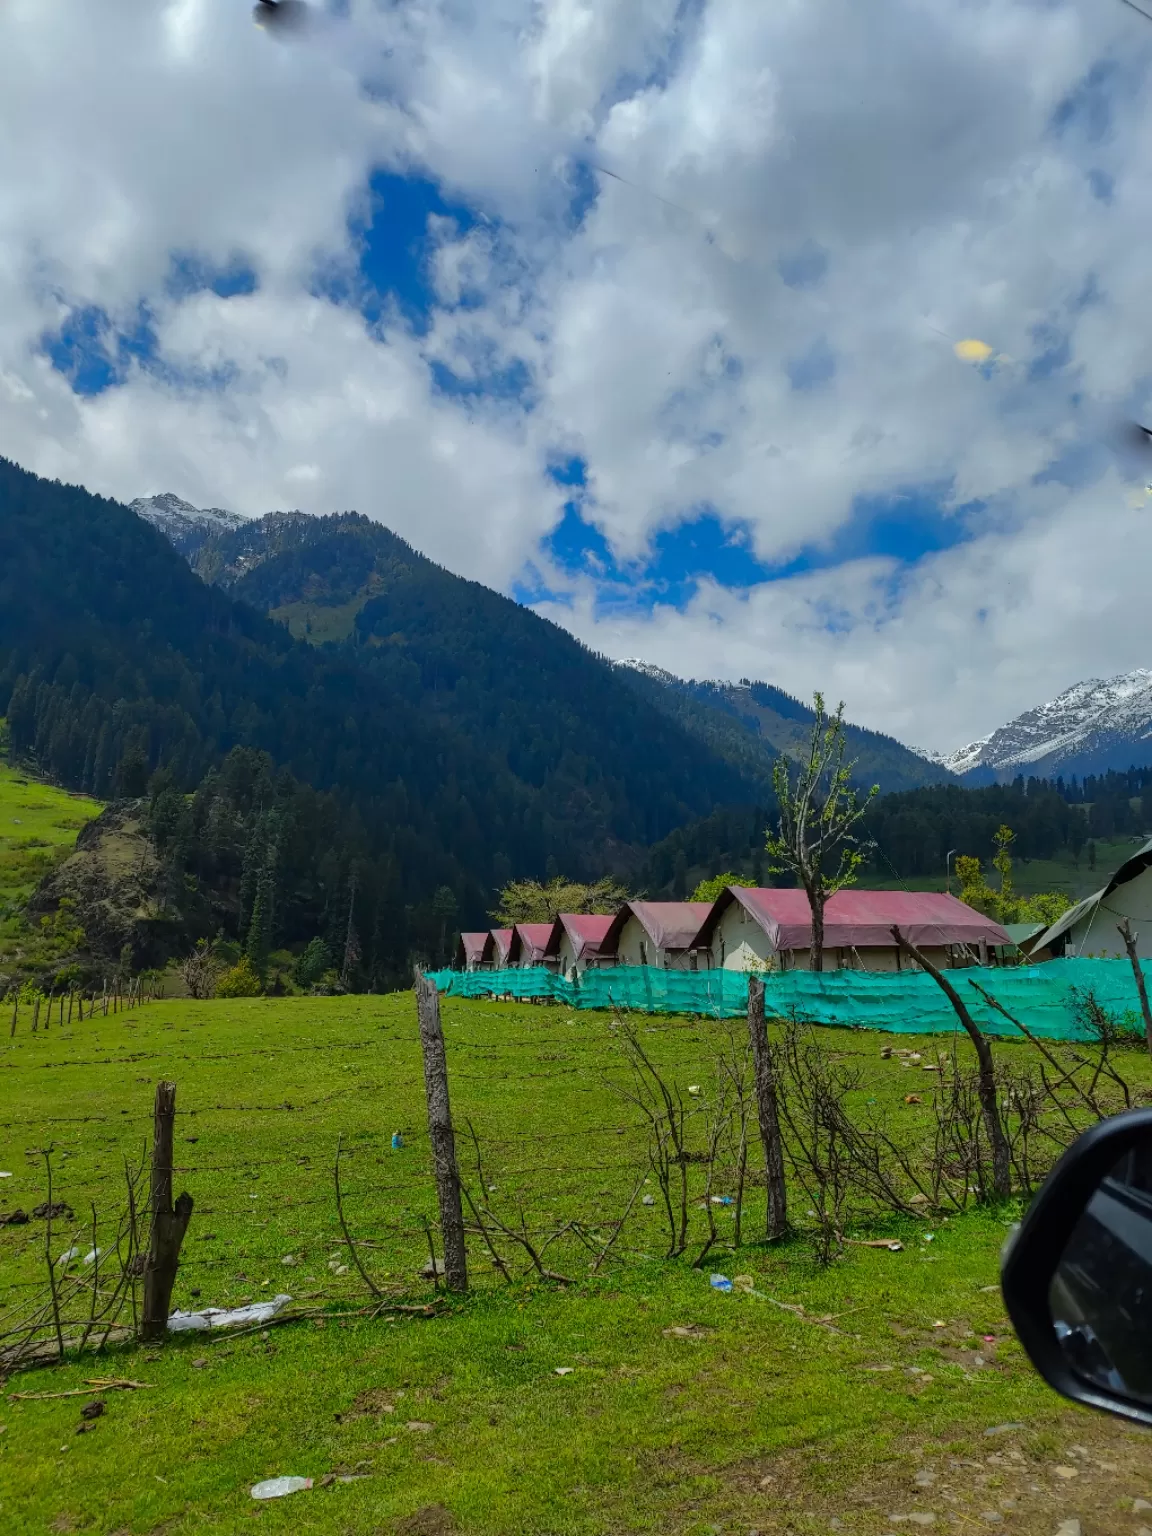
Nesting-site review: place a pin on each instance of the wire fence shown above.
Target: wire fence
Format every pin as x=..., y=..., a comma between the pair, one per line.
x=580, y=1143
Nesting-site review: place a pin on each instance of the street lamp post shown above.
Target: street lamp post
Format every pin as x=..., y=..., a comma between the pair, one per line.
x=948, y=868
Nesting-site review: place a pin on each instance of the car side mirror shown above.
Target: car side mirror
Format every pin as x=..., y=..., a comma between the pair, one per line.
x=1077, y=1273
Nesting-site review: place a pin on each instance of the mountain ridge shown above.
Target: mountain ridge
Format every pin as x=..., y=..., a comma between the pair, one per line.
x=185, y=526
x=1095, y=725
x=758, y=721
x=308, y=573
x=444, y=749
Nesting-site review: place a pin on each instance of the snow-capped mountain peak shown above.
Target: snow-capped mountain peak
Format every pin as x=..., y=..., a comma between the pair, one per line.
x=648, y=669
x=1090, y=727
x=186, y=526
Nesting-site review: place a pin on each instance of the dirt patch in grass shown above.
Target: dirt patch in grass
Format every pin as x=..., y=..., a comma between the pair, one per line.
x=372, y=1404
x=432, y=1520
x=1018, y=1479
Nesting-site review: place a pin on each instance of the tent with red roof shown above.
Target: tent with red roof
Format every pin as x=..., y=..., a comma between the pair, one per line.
x=747, y=928
x=576, y=939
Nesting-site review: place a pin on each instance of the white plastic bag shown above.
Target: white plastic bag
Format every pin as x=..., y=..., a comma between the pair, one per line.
x=221, y=1317
x=277, y=1487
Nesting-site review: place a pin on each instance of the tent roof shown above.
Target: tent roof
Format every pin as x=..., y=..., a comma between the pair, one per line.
x=669, y=924
x=502, y=939
x=529, y=941
x=585, y=930
x=1021, y=933
x=1131, y=867
x=1065, y=924
x=856, y=918
x=471, y=946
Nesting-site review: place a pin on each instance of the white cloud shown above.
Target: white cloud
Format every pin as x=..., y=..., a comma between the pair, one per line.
x=910, y=143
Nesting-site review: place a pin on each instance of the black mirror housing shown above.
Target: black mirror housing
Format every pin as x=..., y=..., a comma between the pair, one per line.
x=1077, y=1275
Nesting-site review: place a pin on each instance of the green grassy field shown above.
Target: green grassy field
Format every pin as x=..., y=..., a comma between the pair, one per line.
x=38, y=825
x=1075, y=878
x=751, y=1417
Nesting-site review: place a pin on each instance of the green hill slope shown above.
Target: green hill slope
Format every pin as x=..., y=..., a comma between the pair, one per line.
x=751, y=724
x=562, y=719
x=462, y=739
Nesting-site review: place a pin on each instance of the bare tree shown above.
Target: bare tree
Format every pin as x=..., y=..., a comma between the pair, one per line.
x=989, y=1104
x=201, y=970
x=815, y=819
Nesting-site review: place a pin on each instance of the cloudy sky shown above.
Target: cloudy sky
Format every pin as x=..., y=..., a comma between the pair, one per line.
x=643, y=311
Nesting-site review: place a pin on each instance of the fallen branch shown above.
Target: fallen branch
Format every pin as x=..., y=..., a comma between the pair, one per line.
x=93, y=1388
x=375, y=1290
x=425, y=1309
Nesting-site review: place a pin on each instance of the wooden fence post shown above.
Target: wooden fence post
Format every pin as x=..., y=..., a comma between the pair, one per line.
x=169, y=1223
x=441, y=1134
x=1125, y=931
x=768, y=1112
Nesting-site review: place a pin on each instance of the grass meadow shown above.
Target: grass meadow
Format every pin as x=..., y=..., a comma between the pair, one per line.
x=855, y=1397
x=38, y=826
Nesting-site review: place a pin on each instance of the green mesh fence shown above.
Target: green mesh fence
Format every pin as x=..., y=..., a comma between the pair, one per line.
x=903, y=1002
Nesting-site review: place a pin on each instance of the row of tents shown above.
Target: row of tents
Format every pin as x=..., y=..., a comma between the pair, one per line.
x=745, y=929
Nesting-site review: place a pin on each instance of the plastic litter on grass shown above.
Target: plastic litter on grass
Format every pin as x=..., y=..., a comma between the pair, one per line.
x=277, y=1487
x=227, y=1317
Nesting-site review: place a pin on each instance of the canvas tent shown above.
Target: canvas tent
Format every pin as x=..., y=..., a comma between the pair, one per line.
x=470, y=949
x=1024, y=936
x=528, y=944
x=750, y=928
x=656, y=933
x=501, y=942
x=1090, y=927
x=575, y=941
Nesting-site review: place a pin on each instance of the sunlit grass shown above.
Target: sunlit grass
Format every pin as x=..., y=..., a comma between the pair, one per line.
x=649, y=1432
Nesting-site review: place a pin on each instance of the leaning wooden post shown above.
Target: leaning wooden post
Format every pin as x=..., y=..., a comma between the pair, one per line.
x=1127, y=935
x=441, y=1134
x=768, y=1112
x=169, y=1223
x=986, y=1081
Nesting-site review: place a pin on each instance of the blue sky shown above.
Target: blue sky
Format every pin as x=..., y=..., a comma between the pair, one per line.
x=904, y=528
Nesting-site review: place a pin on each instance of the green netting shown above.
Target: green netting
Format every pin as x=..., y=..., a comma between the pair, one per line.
x=904, y=1002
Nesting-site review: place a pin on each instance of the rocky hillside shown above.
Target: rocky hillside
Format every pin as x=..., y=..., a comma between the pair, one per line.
x=1094, y=726
x=187, y=527
x=115, y=883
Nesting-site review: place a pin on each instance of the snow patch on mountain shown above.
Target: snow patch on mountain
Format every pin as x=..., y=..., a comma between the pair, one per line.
x=646, y=667
x=185, y=525
x=1093, y=717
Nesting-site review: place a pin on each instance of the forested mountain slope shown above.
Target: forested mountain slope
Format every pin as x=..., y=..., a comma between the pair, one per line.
x=462, y=739
x=751, y=724
x=484, y=661
x=565, y=721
